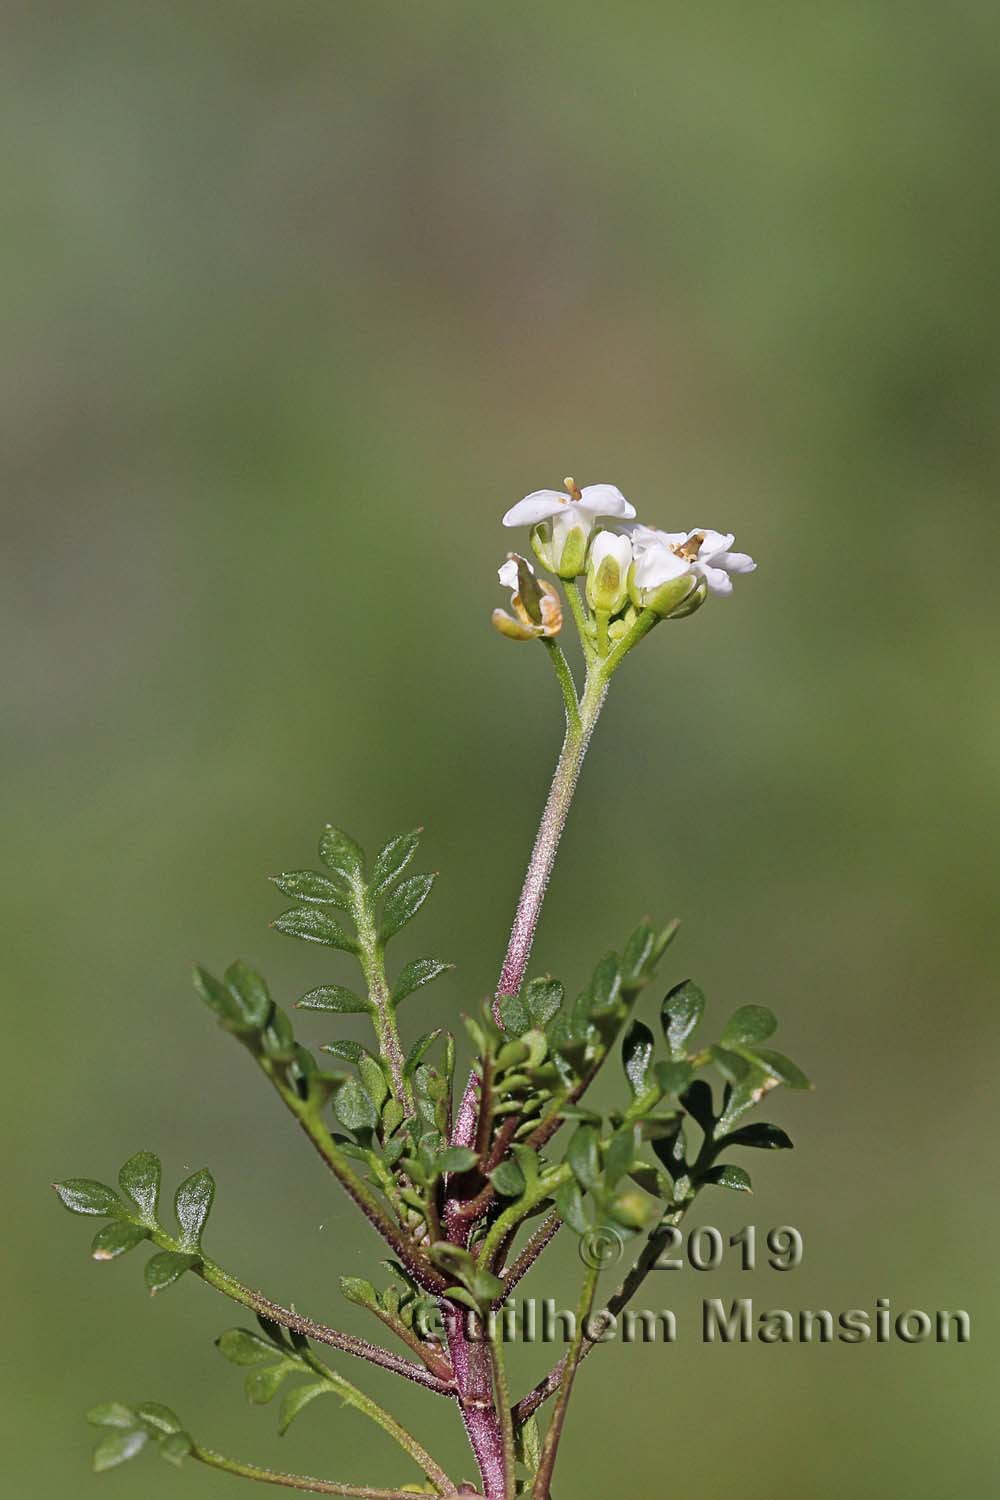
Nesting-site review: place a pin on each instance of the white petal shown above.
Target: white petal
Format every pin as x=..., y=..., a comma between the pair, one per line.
x=535, y=507
x=718, y=580
x=608, y=544
x=715, y=541
x=508, y=575
x=734, y=562
x=659, y=565
x=572, y=517
x=605, y=500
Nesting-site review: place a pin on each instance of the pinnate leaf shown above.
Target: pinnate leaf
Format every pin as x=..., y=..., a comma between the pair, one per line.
x=341, y=854
x=82, y=1195
x=193, y=1204
x=241, y=1347
x=116, y=1238
x=392, y=860
x=296, y=1399
x=140, y=1179
x=416, y=974
x=314, y=926
x=164, y=1268
x=309, y=885
x=334, y=997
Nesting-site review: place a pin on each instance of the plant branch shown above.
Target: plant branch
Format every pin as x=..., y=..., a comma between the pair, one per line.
x=501, y=1397
x=300, y=1481
x=565, y=678
x=543, y=1477
x=539, y=1241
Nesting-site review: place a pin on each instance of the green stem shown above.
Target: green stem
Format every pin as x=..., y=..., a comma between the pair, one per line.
x=501, y=1396
x=566, y=683
x=296, y=1481
x=543, y=1478
x=351, y=1396
x=643, y=625
x=582, y=621
x=512, y=1216
x=372, y=958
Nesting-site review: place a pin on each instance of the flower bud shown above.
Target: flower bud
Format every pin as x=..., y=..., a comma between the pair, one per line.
x=564, y=554
x=667, y=598
x=607, y=572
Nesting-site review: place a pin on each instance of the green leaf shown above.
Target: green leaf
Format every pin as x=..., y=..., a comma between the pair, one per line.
x=543, y=997
x=637, y=1054
x=402, y=904
x=508, y=1179
x=262, y=1385
x=341, y=854
x=698, y=1101
x=241, y=1347
x=455, y=1159
x=664, y=939
x=82, y=1195
x=249, y=992
x=416, y=974
x=345, y=1049
x=154, y=1415
x=298, y=1398
x=605, y=985
x=619, y=1154
x=115, y=1239
x=582, y=1156
x=729, y=1177
x=638, y=951
x=309, y=885
x=514, y=1015
x=278, y=1036
x=569, y=1202
x=218, y=999
x=373, y=1080
x=392, y=860
x=314, y=926
x=118, y=1447
x=671, y=1150
x=333, y=997
x=176, y=1447
x=192, y=1205
x=780, y=1067
x=353, y=1107
x=359, y=1291
x=732, y=1065
x=749, y=1024
x=682, y=1009
x=164, y=1268
x=761, y=1136
x=673, y=1077
x=140, y=1179
x=419, y=1051
x=112, y=1414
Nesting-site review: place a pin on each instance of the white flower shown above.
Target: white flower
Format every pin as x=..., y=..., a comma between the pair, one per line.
x=507, y=572
x=661, y=556
x=578, y=508
x=536, y=604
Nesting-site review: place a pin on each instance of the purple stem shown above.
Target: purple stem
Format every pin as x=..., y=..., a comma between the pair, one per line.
x=477, y=1403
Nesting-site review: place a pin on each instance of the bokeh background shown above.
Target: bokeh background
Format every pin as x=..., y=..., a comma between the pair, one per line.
x=300, y=299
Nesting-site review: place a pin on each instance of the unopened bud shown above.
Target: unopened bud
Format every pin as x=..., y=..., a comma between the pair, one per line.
x=607, y=572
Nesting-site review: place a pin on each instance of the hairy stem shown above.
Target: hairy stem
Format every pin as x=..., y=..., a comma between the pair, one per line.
x=471, y=1363
x=372, y=958
x=565, y=679
x=501, y=1396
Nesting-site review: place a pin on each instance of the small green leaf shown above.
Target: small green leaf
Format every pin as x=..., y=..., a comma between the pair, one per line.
x=353, y=1108
x=278, y=1036
x=543, y=997
x=508, y=1179
x=605, y=984
x=697, y=1100
x=333, y=997
x=359, y=1291
x=218, y=999
x=347, y=1050
x=392, y=860
x=455, y=1159
x=249, y=992
x=262, y=1385
x=582, y=1156
x=569, y=1202
x=118, y=1447
x=729, y=1177
x=749, y=1024
x=682, y=1009
x=416, y=974
x=780, y=1067
x=402, y=904
x=192, y=1205
x=159, y=1418
x=164, y=1268
x=140, y=1179
x=115, y=1239
x=341, y=854
x=393, y=1115
x=514, y=1015
x=309, y=885
x=638, y=951
x=761, y=1136
x=296, y=1399
x=373, y=1080
x=734, y=1068
x=241, y=1347
x=112, y=1414
x=82, y=1195
x=419, y=1051
x=619, y=1154
x=637, y=1054
x=673, y=1077
x=176, y=1447
x=314, y=926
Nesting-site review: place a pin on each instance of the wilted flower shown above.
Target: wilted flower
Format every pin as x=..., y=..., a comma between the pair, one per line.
x=561, y=522
x=536, y=604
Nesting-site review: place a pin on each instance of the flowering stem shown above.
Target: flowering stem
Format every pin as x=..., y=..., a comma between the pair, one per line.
x=565, y=676
x=550, y=832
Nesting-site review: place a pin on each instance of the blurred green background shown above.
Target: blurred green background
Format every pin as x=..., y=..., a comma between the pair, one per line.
x=300, y=299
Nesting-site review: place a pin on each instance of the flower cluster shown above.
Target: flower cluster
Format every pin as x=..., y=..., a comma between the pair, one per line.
x=592, y=533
